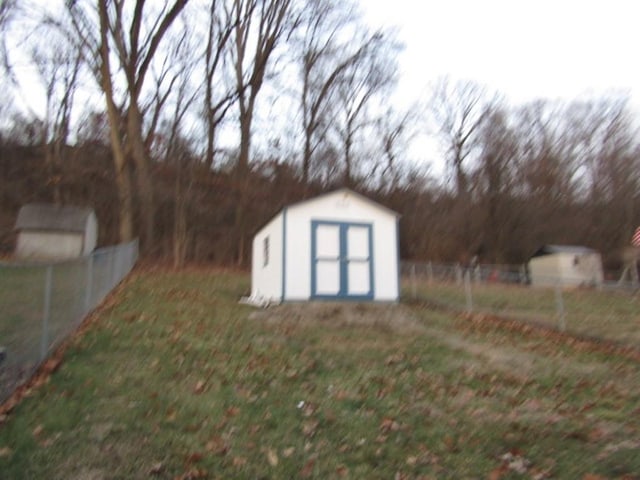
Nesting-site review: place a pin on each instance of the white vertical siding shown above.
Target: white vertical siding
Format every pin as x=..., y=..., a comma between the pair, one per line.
x=266, y=279
x=44, y=245
x=297, y=279
x=561, y=269
x=385, y=254
x=91, y=234
x=544, y=270
x=340, y=207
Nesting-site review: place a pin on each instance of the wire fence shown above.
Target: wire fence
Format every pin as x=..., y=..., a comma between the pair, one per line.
x=41, y=304
x=604, y=310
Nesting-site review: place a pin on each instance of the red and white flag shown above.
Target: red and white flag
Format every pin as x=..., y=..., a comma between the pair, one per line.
x=635, y=240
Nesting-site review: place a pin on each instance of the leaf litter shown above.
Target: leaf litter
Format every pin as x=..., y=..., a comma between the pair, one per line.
x=388, y=404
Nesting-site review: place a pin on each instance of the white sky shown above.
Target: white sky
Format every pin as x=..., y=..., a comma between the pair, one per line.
x=522, y=48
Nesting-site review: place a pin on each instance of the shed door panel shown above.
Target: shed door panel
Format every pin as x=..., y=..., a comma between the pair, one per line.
x=358, y=281
x=341, y=260
x=327, y=273
x=328, y=242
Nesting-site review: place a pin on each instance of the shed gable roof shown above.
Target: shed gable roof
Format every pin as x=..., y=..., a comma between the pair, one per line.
x=43, y=216
x=570, y=249
x=348, y=192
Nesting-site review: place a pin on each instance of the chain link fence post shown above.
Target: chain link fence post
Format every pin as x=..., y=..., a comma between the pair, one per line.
x=560, y=308
x=89, y=285
x=44, y=303
x=467, y=291
x=414, y=281
x=46, y=313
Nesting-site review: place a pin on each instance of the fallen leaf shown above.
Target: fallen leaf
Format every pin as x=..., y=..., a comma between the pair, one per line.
x=171, y=415
x=287, y=452
x=272, y=457
x=239, y=461
x=342, y=471
x=199, y=388
x=193, y=474
x=394, y=358
x=52, y=364
x=38, y=431
x=156, y=468
x=307, y=470
x=309, y=427
x=596, y=434
x=194, y=458
x=497, y=473
x=389, y=424
x=341, y=394
x=232, y=411
x=217, y=446
x=450, y=443
x=5, y=452
x=593, y=476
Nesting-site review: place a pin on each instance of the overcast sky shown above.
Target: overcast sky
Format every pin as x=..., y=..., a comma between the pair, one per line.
x=524, y=49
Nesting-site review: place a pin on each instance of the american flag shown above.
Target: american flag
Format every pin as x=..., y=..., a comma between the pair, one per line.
x=635, y=240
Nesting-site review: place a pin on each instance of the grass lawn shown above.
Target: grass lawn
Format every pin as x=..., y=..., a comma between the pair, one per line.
x=172, y=378
x=605, y=314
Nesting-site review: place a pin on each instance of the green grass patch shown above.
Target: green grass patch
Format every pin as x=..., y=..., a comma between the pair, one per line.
x=175, y=379
x=609, y=315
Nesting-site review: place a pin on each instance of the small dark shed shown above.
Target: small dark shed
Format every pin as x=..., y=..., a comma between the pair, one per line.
x=54, y=232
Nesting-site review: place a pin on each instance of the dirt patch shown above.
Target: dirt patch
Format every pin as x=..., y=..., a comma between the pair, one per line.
x=391, y=317
x=510, y=360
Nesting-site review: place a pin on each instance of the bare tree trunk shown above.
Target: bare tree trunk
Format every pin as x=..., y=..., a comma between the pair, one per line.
x=123, y=178
x=348, y=180
x=269, y=20
x=211, y=137
x=180, y=237
x=306, y=159
x=143, y=176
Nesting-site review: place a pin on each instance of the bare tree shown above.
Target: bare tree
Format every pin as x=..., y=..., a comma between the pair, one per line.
x=58, y=64
x=258, y=27
x=363, y=82
x=495, y=178
x=9, y=10
x=326, y=51
x=218, y=100
x=394, y=128
x=177, y=151
x=457, y=109
x=606, y=146
x=135, y=52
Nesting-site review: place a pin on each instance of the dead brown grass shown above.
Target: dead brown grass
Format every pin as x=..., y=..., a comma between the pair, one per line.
x=390, y=317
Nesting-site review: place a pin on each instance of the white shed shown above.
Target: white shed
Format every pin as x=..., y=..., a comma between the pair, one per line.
x=337, y=246
x=55, y=232
x=566, y=265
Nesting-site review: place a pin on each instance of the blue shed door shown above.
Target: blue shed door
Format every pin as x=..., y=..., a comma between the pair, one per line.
x=341, y=261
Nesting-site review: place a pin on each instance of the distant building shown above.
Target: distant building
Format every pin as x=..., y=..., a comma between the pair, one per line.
x=566, y=265
x=337, y=246
x=53, y=232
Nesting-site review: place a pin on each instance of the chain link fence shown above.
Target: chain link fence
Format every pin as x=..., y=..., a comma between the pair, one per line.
x=607, y=311
x=41, y=304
